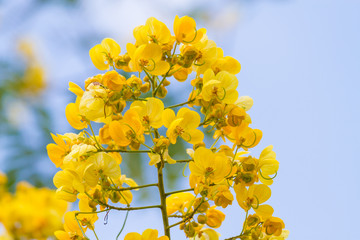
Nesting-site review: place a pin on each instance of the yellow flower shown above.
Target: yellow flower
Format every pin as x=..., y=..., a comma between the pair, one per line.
x=150, y=112
x=212, y=166
x=178, y=202
x=182, y=125
x=268, y=165
x=207, y=54
x=244, y=136
x=127, y=130
x=113, y=80
x=71, y=227
x=58, y=151
x=221, y=87
x=227, y=63
x=147, y=57
x=273, y=226
x=214, y=217
x=93, y=104
x=148, y=234
x=100, y=164
x=69, y=184
x=78, y=152
x=222, y=195
x=153, y=31
x=72, y=111
x=185, y=29
x=253, y=197
x=102, y=55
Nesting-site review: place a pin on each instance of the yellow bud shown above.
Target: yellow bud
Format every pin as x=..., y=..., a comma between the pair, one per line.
x=115, y=197
x=181, y=75
x=236, y=116
x=145, y=87
x=189, y=54
x=92, y=204
x=146, y=79
x=97, y=194
x=203, y=207
x=201, y=219
x=248, y=164
x=273, y=225
x=134, y=82
x=252, y=220
x=214, y=218
x=166, y=83
x=137, y=93
x=161, y=93
x=113, y=80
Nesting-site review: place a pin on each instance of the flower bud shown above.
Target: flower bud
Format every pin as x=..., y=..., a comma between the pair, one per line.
x=214, y=218
x=92, y=204
x=273, y=225
x=236, y=116
x=166, y=83
x=115, y=197
x=145, y=87
x=203, y=207
x=97, y=194
x=161, y=93
x=201, y=219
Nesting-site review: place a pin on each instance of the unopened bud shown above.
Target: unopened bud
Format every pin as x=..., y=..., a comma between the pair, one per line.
x=161, y=93
x=201, y=219
x=145, y=87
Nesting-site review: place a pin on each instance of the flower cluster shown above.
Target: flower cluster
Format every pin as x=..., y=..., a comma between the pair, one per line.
x=133, y=118
x=29, y=213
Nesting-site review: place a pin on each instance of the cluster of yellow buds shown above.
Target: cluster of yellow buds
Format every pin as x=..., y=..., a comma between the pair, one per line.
x=29, y=213
x=133, y=118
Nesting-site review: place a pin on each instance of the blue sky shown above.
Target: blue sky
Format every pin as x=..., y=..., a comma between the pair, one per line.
x=301, y=65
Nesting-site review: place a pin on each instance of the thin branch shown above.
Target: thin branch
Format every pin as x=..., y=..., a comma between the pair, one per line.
x=130, y=208
x=124, y=151
x=183, y=161
x=181, y=104
x=176, y=216
x=178, y=191
x=131, y=188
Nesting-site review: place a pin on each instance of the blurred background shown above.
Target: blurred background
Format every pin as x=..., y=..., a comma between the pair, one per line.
x=300, y=63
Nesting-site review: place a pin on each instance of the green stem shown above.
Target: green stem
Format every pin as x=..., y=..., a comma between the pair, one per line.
x=178, y=191
x=95, y=234
x=183, y=161
x=163, y=198
x=247, y=212
x=215, y=142
x=124, y=151
x=131, y=188
x=181, y=104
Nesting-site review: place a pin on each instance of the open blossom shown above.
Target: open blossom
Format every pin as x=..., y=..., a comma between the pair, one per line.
x=182, y=125
x=103, y=55
x=212, y=166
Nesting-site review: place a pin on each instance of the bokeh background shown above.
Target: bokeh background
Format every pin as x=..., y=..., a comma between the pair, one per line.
x=300, y=63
